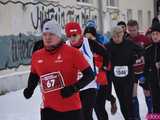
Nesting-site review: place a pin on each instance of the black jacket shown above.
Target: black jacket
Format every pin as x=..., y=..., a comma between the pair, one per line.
x=100, y=50
x=123, y=54
x=152, y=56
x=97, y=48
x=38, y=45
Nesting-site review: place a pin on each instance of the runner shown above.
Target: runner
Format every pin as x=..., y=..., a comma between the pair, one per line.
x=53, y=69
x=77, y=40
x=122, y=57
x=142, y=41
x=104, y=89
x=152, y=67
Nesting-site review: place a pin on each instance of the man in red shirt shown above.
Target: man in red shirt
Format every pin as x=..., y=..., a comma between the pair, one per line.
x=56, y=67
x=138, y=67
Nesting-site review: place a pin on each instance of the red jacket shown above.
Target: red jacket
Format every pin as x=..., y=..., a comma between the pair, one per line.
x=141, y=40
x=101, y=76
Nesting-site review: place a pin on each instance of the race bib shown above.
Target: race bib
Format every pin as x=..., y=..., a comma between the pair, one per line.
x=121, y=71
x=52, y=82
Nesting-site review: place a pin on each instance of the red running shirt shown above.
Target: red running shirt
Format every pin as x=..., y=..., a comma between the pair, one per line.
x=56, y=70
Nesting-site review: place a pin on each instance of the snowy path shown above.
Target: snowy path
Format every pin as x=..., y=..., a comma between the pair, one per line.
x=13, y=106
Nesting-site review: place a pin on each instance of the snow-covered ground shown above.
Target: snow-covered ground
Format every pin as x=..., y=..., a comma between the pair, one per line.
x=13, y=106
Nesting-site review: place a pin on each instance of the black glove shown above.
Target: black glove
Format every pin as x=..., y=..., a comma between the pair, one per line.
x=27, y=93
x=68, y=91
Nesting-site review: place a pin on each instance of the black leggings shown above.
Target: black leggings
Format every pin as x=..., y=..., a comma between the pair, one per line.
x=124, y=90
x=103, y=94
x=88, y=99
x=100, y=103
x=50, y=114
x=155, y=89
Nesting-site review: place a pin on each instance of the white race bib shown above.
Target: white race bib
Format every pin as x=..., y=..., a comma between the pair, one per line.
x=120, y=71
x=52, y=82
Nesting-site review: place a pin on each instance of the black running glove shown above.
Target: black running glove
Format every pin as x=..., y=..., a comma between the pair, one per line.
x=68, y=91
x=32, y=83
x=27, y=93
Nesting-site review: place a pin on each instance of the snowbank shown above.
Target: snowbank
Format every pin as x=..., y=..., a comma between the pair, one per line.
x=13, y=81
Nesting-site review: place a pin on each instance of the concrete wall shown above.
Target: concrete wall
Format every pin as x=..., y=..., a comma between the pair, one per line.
x=19, y=16
x=26, y=18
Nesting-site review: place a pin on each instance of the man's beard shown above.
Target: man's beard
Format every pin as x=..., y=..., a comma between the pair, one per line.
x=53, y=47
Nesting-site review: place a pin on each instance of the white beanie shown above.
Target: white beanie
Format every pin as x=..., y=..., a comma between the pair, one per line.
x=53, y=27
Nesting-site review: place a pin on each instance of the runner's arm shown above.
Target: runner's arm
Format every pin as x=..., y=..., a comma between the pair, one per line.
x=32, y=84
x=88, y=76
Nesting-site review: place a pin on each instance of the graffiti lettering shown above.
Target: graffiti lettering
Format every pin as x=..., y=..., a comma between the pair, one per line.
x=21, y=49
x=61, y=15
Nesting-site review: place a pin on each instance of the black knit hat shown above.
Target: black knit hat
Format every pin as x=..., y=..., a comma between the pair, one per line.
x=121, y=23
x=91, y=30
x=155, y=27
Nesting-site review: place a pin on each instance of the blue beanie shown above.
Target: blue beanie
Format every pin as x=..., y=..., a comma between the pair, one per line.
x=91, y=23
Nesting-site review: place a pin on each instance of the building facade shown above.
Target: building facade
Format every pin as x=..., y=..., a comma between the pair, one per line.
x=140, y=10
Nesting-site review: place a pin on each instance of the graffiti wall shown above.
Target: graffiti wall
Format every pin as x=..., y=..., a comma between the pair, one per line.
x=16, y=50
x=26, y=18
x=21, y=24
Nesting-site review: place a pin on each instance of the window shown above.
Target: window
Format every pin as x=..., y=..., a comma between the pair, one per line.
x=113, y=3
x=140, y=18
x=129, y=14
x=149, y=18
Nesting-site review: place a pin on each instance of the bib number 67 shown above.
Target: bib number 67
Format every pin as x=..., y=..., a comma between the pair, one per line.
x=50, y=83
